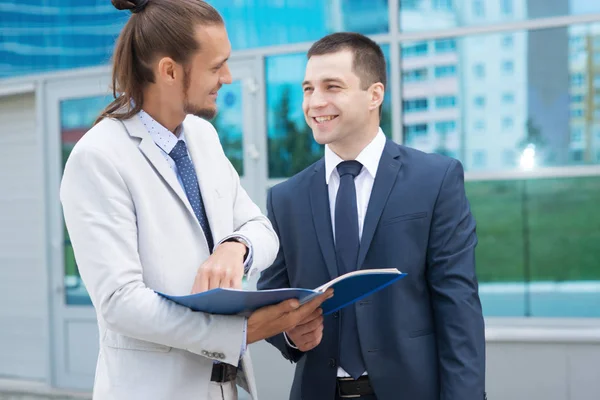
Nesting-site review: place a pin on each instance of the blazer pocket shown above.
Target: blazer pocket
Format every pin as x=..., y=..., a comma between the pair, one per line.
x=420, y=332
x=117, y=341
x=404, y=217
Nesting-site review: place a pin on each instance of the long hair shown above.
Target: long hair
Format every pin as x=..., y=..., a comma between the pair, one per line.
x=156, y=28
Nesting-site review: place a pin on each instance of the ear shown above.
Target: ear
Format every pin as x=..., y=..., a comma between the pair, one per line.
x=376, y=93
x=167, y=70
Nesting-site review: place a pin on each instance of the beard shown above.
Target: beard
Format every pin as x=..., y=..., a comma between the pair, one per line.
x=202, y=112
x=189, y=108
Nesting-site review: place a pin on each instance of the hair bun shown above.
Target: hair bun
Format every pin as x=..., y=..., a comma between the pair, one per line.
x=134, y=6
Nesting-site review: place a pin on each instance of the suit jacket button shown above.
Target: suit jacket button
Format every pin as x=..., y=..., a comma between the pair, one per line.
x=332, y=363
x=336, y=314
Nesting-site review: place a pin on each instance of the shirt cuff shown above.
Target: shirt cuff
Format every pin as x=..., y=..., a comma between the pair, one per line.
x=289, y=342
x=248, y=258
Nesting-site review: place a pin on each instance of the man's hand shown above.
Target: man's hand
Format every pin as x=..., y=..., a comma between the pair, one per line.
x=223, y=269
x=273, y=320
x=308, y=333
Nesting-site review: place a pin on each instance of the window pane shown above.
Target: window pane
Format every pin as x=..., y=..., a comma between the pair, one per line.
x=71, y=34
x=562, y=223
x=229, y=123
x=421, y=15
x=538, y=252
x=501, y=100
x=499, y=252
x=255, y=23
x=290, y=141
x=68, y=34
x=76, y=117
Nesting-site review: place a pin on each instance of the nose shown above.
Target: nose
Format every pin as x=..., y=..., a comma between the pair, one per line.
x=317, y=99
x=226, y=76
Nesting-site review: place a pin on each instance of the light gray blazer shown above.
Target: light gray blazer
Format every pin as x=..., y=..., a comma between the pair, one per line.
x=133, y=232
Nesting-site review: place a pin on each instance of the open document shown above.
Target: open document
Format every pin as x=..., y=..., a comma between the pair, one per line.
x=347, y=289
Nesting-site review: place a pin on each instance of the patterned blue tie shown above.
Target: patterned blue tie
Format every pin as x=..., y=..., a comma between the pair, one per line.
x=187, y=173
x=347, y=243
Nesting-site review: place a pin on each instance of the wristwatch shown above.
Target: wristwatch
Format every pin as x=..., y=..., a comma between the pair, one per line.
x=243, y=241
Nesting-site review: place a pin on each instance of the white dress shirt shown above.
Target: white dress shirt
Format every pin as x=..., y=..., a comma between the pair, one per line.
x=369, y=157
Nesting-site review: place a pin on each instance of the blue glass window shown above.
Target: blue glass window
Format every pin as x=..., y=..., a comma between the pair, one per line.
x=63, y=34
x=423, y=15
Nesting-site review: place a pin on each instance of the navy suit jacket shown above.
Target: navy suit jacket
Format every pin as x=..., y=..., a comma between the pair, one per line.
x=422, y=338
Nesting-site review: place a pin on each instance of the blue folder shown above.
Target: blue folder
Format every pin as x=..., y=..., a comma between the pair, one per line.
x=348, y=289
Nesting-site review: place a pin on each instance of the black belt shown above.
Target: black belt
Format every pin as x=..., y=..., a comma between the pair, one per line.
x=349, y=388
x=223, y=372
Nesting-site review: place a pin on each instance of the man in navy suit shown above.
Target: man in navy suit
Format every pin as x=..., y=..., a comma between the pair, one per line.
x=370, y=203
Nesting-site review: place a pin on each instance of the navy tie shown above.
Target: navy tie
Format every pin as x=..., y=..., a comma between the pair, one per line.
x=187, y=173
x=347, y=243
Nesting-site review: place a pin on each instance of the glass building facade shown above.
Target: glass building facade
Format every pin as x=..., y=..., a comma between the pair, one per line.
x=511, y=88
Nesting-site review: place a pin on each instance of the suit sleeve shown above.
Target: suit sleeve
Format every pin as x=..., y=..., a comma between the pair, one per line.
x=248, y=220
x=454, y=291
x=250, y=223
x=276, y=277
x=100, y=217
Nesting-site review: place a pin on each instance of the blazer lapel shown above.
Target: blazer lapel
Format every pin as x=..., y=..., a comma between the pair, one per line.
x=319, y=202
x=153, y=154
x=387, y=172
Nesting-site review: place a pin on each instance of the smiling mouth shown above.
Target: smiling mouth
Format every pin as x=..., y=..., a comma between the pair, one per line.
x=320, y=120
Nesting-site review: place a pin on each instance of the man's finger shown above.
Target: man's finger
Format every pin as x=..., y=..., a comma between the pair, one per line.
x=286, y=306
x=309, y=327
x=312, y=305
x=320, y=299
x=236, y=284
x=196, y=287
x=315, y=314
x=213, y=280
x=310, y=345
x=203, y=282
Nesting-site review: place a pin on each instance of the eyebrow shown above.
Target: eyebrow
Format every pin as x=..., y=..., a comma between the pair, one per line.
x=221, y=62
x=326, y=80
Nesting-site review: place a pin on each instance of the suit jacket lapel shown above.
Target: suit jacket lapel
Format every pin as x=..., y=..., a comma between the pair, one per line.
x=153, y=154
x=387, y=172
x=319, y=201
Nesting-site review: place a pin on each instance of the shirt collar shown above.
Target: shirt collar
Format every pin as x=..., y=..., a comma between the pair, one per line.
x=164, y=138
x=369, y=157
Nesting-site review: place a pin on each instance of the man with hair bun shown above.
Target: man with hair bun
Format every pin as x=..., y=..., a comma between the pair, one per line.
x=152, y=203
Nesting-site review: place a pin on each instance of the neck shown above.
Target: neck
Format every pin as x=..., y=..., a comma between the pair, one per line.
x=354, y=144
x=159, y=107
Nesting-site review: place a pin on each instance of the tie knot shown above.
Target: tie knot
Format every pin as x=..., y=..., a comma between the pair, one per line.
x=349, y=168
x=179, y=151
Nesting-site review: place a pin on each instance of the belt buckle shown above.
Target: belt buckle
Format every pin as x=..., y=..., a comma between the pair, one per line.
x=228, y=373
x=346, y=396
x=222, y=373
